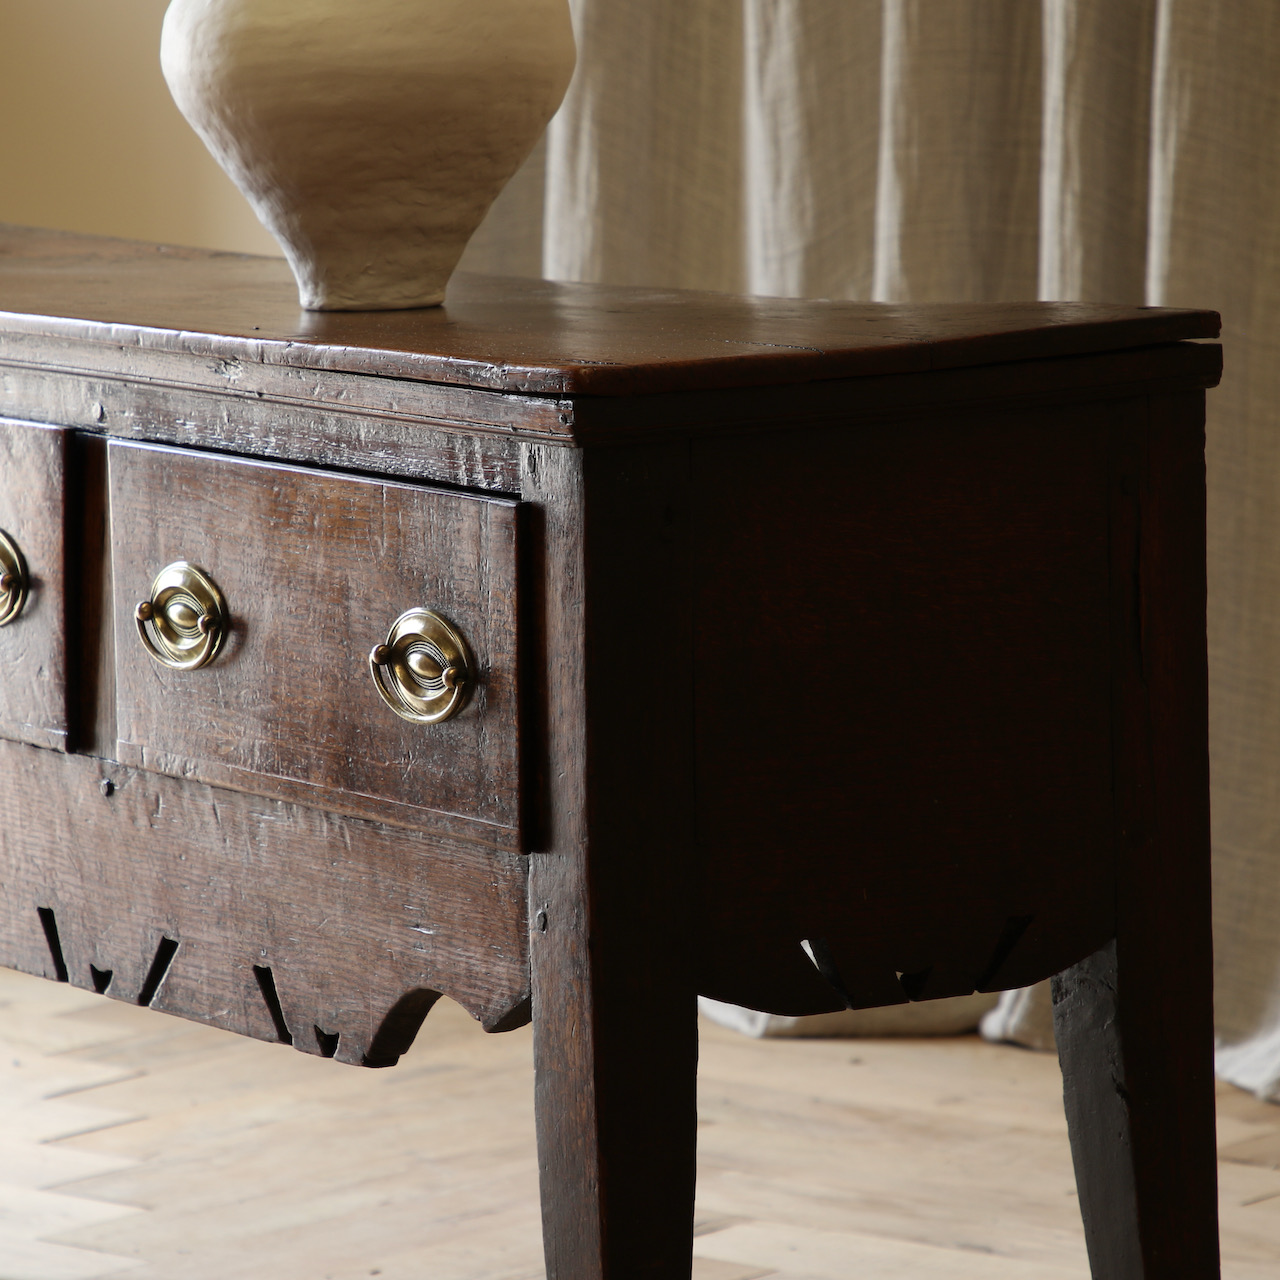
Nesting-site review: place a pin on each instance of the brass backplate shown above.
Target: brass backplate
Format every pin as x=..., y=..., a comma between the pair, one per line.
x=14, y=582
x=424, y=671
x=184, y=621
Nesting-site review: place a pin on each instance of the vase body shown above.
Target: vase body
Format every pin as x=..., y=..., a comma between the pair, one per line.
x=370, y=136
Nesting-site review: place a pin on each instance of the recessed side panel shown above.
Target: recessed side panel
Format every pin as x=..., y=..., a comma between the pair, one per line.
x=264, y=590
x=904, y=707
x=33, y=649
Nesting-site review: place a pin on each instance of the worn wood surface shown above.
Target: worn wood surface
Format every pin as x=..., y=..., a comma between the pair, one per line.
x=904, y=708
x=348, y=423
x=315, y=567
x=827, y=648
x=351, y=928
x=613, y=982
x=33, y=646
x=253, y=384
x=140, y=410
x=532, y=336
x=1135, y=1022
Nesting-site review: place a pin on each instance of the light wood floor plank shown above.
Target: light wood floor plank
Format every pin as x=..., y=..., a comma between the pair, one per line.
x=839, y=1255
x=194, y=1155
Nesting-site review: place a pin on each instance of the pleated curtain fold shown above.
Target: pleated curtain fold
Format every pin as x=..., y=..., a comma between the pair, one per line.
x=976, y=150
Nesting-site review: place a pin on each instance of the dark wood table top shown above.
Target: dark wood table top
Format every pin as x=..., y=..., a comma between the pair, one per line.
x=534, y=336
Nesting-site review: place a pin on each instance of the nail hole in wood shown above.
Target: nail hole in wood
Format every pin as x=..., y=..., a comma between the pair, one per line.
x=271, y=998
x=1010, y=936
x=328, y=1042
x=50, y=925
x=165, y=952
x=101, y=978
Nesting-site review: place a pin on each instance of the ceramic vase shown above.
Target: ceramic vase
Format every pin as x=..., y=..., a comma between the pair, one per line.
x=370, y=136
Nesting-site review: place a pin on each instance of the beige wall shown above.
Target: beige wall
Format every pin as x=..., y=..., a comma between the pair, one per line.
x=90, y=139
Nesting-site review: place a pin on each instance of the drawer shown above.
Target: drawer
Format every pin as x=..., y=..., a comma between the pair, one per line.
x=314, y=568
x=33, y=651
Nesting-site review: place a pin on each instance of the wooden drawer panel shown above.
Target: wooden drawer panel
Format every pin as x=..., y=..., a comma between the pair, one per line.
x=33, y=664
x=315, y=567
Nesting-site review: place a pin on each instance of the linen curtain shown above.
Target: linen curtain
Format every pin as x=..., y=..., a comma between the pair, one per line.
x=915, y=150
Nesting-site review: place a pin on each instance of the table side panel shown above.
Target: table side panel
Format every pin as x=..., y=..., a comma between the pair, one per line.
x=904, y=707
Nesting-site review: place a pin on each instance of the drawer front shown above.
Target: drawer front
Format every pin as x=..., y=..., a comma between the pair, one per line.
x=33, y=658
x=314, y=568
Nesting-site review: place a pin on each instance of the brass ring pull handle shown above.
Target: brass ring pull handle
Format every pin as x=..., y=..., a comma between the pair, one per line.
x=14, y=582
x=184, y=621
x=424, y=670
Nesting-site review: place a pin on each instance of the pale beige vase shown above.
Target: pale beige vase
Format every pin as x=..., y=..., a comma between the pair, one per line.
x=370, y=136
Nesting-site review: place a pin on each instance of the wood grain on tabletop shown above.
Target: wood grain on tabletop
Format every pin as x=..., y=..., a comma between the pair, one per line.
x=532, y=335
x=186, y=1152
x=462, y=436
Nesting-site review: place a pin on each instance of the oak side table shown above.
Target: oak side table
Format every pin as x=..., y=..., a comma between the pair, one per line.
x=573, y=650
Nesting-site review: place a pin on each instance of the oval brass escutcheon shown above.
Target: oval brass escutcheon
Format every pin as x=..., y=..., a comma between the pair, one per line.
x=424, y=671
x=14, y=582
x=184, y=620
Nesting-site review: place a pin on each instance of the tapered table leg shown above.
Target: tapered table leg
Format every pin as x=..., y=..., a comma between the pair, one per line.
x=1140, y=1107
x=616, y=1121
x=612, y=890
x=1135, y=1020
